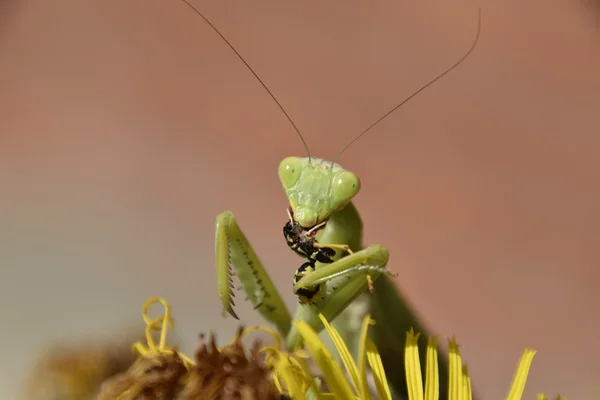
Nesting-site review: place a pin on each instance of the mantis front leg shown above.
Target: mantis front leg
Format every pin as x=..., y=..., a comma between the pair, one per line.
x=234, y=253
x=341, y=283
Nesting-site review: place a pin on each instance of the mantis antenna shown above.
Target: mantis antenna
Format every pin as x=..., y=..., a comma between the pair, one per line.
x=431, y=82
x=253, y=73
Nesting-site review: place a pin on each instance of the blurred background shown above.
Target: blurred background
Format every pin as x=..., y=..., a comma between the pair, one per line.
x=126, y=126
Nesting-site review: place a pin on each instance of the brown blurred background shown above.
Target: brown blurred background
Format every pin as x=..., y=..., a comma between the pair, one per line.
x=126, y=126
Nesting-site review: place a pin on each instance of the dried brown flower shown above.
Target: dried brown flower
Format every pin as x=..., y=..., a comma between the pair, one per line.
x=161, y=373
x=218, y=374
x=158, y=377
x=228, y=373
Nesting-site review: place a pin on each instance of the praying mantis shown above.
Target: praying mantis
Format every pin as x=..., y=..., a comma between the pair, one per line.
x=323, y=227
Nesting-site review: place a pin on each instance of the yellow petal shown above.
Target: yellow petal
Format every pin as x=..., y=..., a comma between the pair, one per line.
x=160, y=323
x=362, y=342
x=292, y=377
x=269, y=331
x=518, y=385
x=412, y=365
x=466, y=387
x=455, y=365
x=314, y=383
x=432, y=376
x=383, y=389
x=346, y=359
x=334, y=376
x=541, y=396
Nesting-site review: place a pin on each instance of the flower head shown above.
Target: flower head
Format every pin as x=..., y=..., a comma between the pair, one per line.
x=161, y=372
x=272, y=373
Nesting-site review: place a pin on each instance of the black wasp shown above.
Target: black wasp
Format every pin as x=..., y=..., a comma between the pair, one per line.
x=304, y=243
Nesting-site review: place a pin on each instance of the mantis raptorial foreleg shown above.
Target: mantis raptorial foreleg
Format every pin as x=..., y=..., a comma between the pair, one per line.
x=234, y=253
x=370, y=261
x=345, y=247
x=340, y=284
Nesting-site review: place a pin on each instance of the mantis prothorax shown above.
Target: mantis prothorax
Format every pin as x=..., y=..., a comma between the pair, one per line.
x=325, y=221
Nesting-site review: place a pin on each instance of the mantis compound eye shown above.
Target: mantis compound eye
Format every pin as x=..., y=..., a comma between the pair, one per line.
x=345, y=187
x=289, y=171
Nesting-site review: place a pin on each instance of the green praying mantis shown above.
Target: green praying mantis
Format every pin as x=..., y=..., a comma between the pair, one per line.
x=324, y=227
x=320, y=194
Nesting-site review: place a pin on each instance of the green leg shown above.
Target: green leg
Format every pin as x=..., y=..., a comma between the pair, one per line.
x=344, y=281
x=234, y=253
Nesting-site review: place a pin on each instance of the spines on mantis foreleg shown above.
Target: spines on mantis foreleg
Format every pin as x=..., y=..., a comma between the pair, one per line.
x=223, y=260
x=234, y=253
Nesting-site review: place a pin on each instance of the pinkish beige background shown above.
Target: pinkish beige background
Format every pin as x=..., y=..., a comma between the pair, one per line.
x=126, y=126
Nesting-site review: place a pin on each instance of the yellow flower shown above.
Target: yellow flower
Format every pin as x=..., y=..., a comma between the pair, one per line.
x=459, y=381
x=296, y=379
x=158, y=324
x=459, y=387
x=161, y=372
x=290, y=373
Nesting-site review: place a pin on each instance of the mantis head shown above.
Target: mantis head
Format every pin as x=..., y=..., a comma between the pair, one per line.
x=316, y=188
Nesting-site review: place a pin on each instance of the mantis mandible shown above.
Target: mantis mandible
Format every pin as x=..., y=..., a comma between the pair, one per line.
x=322, y=219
